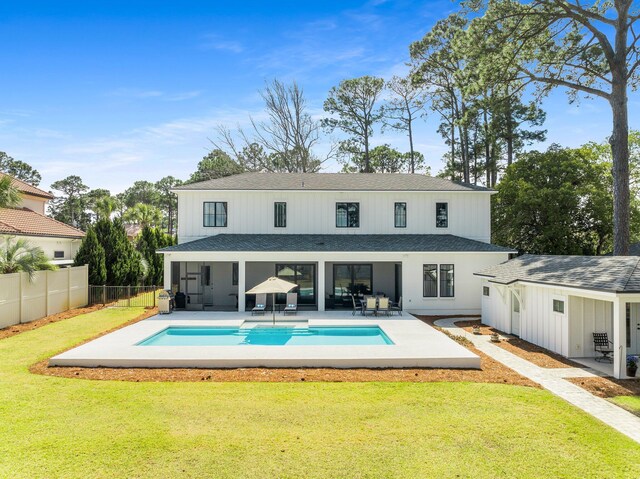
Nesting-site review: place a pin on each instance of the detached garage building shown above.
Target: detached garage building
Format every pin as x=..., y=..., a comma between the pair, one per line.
x=558, y=302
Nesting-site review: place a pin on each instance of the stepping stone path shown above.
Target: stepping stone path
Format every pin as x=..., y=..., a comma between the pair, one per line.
x=553, y=381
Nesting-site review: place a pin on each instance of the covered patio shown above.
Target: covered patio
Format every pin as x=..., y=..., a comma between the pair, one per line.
x=322, y=285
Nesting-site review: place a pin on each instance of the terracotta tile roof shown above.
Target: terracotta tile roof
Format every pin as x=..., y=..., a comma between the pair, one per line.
x=28, y=189
x=23, y=221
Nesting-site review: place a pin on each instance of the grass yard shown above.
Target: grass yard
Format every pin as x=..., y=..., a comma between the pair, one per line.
x=55, y=427
x=630, y=403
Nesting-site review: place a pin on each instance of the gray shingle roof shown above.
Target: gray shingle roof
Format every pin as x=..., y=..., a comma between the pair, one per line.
x=335, y=243
x=603, y=273
x=331, y=182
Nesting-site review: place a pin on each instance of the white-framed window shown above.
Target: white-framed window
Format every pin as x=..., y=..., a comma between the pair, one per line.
x=58, y=254
x=485, y=291
x=558, y=305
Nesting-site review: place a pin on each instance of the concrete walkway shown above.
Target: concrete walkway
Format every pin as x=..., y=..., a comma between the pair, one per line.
x=553, y=380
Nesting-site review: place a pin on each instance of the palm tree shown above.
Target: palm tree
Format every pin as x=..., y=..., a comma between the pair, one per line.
x=104, y=207
x=9, y=194
x=143, y=215
x=19, y=256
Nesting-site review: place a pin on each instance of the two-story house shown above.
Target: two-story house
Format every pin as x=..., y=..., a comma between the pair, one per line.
x=413, y=237
x=59, y=241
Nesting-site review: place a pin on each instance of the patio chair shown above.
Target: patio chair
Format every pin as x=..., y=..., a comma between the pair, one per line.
x=355, y=307
x=371, y=306
x=261, y=304
x=384, y=306
x=602, y=345
x=397, y=307
x=292, y=303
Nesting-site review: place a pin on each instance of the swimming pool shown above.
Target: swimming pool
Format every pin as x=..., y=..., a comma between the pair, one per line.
x=269, y=336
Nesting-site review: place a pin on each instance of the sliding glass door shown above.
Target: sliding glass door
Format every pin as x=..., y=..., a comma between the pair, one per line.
x=304, y=275
x=348, y=279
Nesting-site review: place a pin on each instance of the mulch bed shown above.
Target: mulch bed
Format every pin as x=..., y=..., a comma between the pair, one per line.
x=537, y=355
x=54, y=318
x=608, y=387
x=491, y=372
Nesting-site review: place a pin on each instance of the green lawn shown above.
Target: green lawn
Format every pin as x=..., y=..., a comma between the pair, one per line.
x=631, y=403
x=71, y=428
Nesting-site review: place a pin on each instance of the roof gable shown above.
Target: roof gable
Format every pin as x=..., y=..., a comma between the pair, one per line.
x=26, y=188
x=331, y=182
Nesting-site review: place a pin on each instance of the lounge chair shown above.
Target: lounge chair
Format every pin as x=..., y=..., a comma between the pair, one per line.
x=261, y=304
x=384, y=306
x=371, y=306
x=292, y=303
x=602, y=345
x=397, y=307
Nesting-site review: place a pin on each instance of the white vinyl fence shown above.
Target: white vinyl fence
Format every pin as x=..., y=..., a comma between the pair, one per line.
x=49, y=292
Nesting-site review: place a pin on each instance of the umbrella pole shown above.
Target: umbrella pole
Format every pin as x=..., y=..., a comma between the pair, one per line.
x=273, y=307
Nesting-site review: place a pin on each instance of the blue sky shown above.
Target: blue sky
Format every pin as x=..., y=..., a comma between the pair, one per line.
x=116, y=91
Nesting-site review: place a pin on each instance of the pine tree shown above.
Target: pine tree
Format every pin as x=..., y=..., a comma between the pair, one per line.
x=122, y=260
x=92, y=253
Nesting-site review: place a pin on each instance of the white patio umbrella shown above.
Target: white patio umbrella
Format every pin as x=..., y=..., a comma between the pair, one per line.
x=272, y=286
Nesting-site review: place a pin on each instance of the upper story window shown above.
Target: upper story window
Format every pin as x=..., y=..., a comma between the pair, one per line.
x=485, y=291
x=442, y=215
x=347, y=215
x=400, y=215
x=58, y=254
x=446, y=281
x=280, y=215
x=430, y=280
x=215, y=213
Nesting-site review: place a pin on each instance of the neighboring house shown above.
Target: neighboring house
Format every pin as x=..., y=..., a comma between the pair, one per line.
x=133, y=231
x=413, y=237
x=60, y=242
x=558, y=302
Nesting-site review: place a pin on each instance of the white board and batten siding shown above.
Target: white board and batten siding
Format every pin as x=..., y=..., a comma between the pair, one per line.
x=568, y=334
x=314, y=212
x=50, y=292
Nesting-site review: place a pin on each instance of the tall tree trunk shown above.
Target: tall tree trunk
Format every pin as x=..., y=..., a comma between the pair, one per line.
x=487, y=149
x=453, y=150
x=413, y=161
x=620, y=151
x=367, y=165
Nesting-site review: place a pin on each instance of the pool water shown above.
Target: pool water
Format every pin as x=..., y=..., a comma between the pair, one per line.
x=263, y=336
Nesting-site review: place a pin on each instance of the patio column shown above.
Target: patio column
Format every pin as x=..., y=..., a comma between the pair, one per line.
x=619, y=338
x=167, y=271
x=321, y=293
x=241, y=285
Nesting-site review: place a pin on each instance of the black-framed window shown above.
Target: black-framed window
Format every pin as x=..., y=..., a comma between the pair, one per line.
x=347, y=215
x=446, y=281
x=430, y=280
x=400, y=215
x=558, y=306
x=442, y=215
x=58, y=254
x=485, y=291
x=280, y=214
x=214, y=213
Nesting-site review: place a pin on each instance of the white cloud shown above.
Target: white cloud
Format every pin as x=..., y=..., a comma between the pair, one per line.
x=211, y=41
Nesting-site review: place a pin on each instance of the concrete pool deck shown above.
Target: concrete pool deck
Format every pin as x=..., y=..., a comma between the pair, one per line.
x=416, y=344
